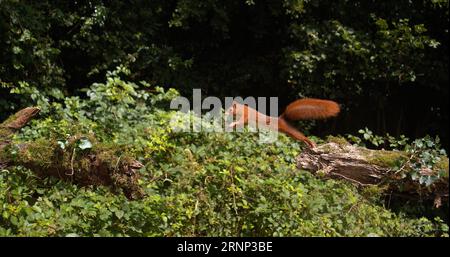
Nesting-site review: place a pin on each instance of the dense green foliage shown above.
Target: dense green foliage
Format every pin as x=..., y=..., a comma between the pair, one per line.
x=385, y=62
x=382, y=59
x=210, y=184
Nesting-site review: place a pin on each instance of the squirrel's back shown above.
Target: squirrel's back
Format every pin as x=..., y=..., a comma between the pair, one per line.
x=311, y=108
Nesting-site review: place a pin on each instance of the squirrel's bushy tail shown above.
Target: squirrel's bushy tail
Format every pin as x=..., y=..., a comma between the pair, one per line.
x=311, y=108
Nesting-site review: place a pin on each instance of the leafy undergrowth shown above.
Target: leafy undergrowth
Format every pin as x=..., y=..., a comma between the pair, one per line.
x=196, y=184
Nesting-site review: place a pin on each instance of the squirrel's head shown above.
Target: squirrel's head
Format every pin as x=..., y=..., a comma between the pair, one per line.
x=232, y=109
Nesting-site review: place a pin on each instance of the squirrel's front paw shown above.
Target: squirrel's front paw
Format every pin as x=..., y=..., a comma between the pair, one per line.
x=232, y=124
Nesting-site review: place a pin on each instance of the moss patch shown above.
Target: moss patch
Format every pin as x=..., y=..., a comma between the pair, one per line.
x=338, y=140
x=390, y=159
x=442, y=165
x=101, y=164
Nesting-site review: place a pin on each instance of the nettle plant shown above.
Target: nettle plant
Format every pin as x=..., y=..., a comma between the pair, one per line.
x=369, y=139
x=117, y=112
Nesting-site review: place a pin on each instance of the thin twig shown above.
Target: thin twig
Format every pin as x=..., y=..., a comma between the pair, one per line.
x=71, y=162
x=347, y=178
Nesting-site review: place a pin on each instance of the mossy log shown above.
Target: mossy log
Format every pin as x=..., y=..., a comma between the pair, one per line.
x=99, y=164
x=364, y=167
x=16, y=122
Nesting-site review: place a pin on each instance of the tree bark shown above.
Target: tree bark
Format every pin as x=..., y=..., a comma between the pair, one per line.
x=364, y=167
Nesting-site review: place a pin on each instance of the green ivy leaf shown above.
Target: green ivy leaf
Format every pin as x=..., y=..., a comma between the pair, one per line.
x=119, y=213
x=85, y=144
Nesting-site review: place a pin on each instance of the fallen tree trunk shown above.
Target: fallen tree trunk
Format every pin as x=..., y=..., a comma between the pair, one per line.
x=363, y=167
x=80, y=159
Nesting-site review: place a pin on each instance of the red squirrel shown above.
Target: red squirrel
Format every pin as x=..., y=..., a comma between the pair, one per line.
x=301, y=109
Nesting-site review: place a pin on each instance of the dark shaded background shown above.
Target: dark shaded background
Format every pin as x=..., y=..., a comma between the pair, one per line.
x=397, y=85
